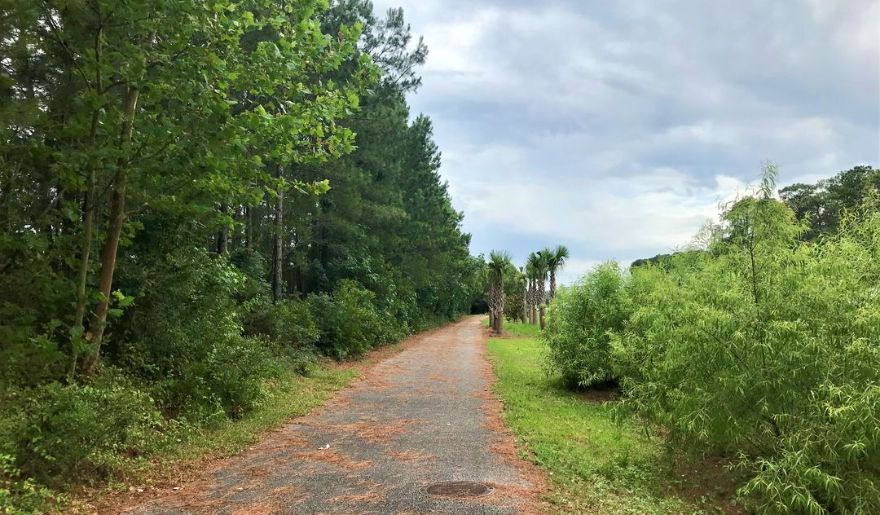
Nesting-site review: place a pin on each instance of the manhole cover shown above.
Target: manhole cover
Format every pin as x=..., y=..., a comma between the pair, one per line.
x=460, y=489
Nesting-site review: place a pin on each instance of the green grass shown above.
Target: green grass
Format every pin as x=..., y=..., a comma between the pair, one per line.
x=517, y=329
x=594, y=464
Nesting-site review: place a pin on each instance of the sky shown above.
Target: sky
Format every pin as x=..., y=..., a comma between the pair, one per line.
x=618, y=128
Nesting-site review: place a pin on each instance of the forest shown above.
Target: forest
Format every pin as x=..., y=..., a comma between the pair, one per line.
x=199, y=198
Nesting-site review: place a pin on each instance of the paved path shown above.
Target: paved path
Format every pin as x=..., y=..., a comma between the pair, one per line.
x=423, y=416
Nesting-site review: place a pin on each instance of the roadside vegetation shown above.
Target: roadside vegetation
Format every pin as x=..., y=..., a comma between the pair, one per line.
x=182, y=451
x=760, y=345
x=595, y=464
x=199, y=201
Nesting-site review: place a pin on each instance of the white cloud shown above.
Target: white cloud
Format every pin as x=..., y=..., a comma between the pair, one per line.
x=617, y=128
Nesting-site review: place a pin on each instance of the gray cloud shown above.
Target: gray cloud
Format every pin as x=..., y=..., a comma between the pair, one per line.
x=617, y=127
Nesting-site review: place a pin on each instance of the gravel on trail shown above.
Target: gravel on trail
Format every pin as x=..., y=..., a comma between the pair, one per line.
x=424, y=416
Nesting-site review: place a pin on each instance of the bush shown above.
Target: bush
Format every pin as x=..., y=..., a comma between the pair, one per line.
x=289, y=323
x=236, y=372
x=195, y=359
x=579, y=323
x=768, y=350
x=55, y=432
x=20, y=495
x=349, y=322
x=32, y=295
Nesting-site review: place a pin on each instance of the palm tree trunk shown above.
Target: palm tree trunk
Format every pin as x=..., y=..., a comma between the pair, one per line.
x=552, y=284
x=532, y=319
x=541, y=298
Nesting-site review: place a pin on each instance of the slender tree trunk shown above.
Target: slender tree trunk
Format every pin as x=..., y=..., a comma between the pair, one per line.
x=541, y=297
x=552, y=284
x=223, y=233
x=89, y=208
x=493, y=306
x=85, y=247
x=248, y=227
x=278, y=254
x=111, y=245
x=532, y=318
x=499, y=316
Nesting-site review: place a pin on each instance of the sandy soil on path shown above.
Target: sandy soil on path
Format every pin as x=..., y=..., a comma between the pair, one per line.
x=422, y=416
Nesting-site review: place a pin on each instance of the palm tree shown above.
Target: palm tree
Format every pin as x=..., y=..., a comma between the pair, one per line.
x=555, y=261
x=532, y=267
x=542, y=268
x=498, y=263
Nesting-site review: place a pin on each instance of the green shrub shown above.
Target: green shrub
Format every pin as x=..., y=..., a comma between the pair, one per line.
x=56, y=432
x=579, y=321
x=33, y=294
x=290, y=323
x=349, y=322
x=768, y=350
x=195, y=359
x=21, y=495
x=236, y=371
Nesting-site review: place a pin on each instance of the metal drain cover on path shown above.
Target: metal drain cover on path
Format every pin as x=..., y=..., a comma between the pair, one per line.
x=460, y=489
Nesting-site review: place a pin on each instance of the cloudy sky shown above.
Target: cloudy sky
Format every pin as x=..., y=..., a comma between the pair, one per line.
x=617, y=127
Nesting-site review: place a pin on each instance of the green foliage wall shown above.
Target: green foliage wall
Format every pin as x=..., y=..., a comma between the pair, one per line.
x=765, y=349
x=238, y=186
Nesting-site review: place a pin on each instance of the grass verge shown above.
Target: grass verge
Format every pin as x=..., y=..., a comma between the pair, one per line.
x=516, y=329
x=196, y=448
x=596, y=465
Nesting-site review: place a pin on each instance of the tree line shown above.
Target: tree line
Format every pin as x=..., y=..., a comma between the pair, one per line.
x=759, y=344
x=195, y=198
x=522, y=293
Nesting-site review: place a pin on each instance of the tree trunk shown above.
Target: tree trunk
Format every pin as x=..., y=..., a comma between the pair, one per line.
x=541, y=297
x=89, y=208
x=492, y=318
x=248, y=227
x=278, y=254
x=532, y=317
x=117, y=221
x=552, y=284
x=223, y=233
x=499, y=299
x=533, y=302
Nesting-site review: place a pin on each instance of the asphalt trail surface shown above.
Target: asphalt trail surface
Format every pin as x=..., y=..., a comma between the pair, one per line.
x=422, y=416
